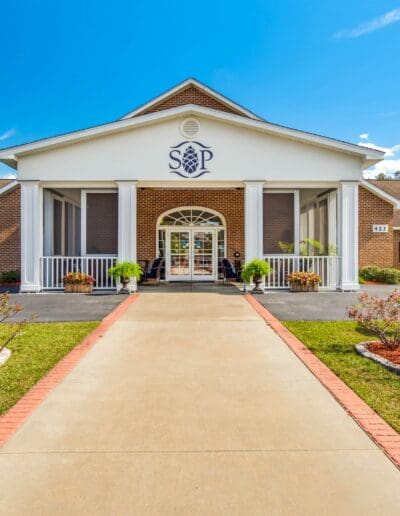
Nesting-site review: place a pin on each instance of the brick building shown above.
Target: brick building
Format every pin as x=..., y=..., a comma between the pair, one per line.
x=192, y=177
x=379, y=223
x=10, y=238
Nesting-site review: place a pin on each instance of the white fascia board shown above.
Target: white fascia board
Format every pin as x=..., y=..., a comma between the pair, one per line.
x=381, y=194
x=179, y=87
x=369, y=156
x=8, y=187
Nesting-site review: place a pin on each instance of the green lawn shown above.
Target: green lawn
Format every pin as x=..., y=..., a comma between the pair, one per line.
x=333, y=342
x=35, y=352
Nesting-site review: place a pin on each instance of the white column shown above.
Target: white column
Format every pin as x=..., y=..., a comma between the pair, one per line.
x=348, y=235
x=127, y=223
x=253, y=219
x=31, y=235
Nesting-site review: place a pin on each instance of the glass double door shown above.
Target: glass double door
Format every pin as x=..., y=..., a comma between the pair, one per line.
x=191, y=255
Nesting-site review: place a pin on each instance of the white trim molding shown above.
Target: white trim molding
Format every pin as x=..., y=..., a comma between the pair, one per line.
x=253, y=219
x=31, y=235
x=348, y=235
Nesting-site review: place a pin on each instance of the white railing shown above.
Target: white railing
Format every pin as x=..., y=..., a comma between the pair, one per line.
x=54, y=268
x=327, y=267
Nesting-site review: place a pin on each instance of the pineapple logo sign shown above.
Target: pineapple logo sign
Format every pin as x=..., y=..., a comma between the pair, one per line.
x=189, y=159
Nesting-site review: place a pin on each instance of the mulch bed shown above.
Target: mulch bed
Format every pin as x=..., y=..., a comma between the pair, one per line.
x=378, y=348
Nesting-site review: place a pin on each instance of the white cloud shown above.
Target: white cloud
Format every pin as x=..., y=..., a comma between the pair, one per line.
x=386, y=166
x=7, y=134
x=7, y=175
x=377, y=23
x=390, y=152
x=364, y=136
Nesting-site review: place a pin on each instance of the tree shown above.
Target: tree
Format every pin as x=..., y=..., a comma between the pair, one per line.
x=383, y=177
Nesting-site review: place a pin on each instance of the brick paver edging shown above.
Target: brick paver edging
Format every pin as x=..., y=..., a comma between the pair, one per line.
x=16, y=415
x=379, y=431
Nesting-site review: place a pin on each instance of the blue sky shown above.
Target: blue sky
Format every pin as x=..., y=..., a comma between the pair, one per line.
x=328, y=67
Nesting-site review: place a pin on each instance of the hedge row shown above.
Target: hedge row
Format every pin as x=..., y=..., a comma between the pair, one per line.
x=372, y=273
x=10, y=277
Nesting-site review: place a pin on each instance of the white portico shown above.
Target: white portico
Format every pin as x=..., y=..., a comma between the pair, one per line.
x=243, y=186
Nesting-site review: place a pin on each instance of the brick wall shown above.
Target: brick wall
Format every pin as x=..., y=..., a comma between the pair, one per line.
x=191, y=95
x=10, y=234
x=375, y=248
x=152, y=202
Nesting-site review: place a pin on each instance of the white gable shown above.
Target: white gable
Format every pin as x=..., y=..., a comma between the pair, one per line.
x=143, y=153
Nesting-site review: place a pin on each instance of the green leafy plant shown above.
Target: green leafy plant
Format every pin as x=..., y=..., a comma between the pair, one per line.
x=385, y=275
x=126, y=271
x=255, y=269
x=308, y=247
x=286, y=247
x=10, y=277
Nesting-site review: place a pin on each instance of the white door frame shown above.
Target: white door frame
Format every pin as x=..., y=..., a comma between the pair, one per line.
x=191, y=276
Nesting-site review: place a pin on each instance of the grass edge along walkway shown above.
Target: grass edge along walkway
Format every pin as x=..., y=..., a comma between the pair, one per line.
x=34, y=353
x=11, y=420
x=333, y=343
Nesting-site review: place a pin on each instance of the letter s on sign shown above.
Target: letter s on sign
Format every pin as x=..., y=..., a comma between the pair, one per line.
x=175, y=156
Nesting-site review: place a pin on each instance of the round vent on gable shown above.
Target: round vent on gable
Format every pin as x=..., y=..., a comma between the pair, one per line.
x=190, y=127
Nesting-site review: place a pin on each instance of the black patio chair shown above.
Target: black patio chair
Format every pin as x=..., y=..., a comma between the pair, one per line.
x=228, y=271
x=153, y=273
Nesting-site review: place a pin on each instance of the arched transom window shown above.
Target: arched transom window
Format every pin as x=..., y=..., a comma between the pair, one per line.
x=191, y=217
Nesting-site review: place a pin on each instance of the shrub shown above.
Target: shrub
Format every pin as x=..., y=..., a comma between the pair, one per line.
x=7, y=310
x=304, y=278
x=373, y=273
x=10, y=277
x=379, y=315
x=126, y=270
x=78, y=278
x=391, y=276
x=255, y=269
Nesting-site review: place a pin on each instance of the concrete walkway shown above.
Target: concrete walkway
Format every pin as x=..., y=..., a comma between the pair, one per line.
x=191, y=405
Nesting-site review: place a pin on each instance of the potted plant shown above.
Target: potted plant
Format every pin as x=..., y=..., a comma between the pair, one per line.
x=78, y=282
x=255, y=270
x=124, y=272
x=303, y=281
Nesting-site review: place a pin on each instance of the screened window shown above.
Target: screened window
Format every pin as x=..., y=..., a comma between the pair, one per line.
x=278, y=215
x=102, y=223
x=57, y=225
